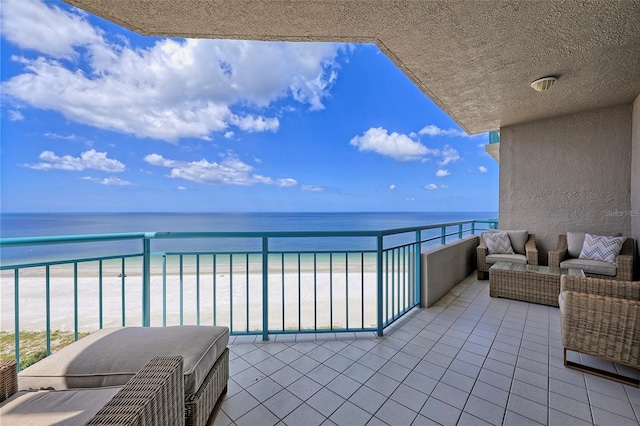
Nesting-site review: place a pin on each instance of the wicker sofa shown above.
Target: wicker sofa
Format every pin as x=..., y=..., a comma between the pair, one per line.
x=112, y=356
x=566, y=256
x=601, y=317
x=152, y=397
x=525, y=252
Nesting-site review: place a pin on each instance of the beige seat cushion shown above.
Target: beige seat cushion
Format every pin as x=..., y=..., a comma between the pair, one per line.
x=63, y=407
x=112, y=356
x=513, y=258
x=591, y=266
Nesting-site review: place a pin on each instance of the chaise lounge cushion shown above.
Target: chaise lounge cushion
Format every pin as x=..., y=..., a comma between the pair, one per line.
x=112, y=356
x=590, y=266
x=70, y=406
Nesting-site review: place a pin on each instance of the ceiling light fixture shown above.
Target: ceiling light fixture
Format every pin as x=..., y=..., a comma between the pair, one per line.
x=544, y=83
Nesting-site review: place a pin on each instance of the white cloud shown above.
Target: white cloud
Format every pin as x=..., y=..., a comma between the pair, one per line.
x=448, y=155
x=434, y=187
x=171, y=90
x=432, y=130
x=442, y=173
x=182, y=188
x=287, y=182
x=88, y=160
x=15, y=115
x=410, y=199
x=313, y=188
x=70, y=137
x=392, y=187
x=229, y=134
x=108, y=181
x=30, y=24
x=396, y=145
x=230, y=171
x=482, y=169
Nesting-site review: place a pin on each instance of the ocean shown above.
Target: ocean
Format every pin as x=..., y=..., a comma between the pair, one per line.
x=56, y=224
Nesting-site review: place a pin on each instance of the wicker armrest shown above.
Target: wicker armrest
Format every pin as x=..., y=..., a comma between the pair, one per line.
x=560, y=253
x=629, y=290
x=602, y=326
x=531, y=250
x=482, y=251
x=624, y=260
x=8, y=378
x=154, y=396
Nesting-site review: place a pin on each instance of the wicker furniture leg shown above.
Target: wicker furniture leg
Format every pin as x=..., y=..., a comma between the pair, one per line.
x=602, y=373
x=199, y=406
x=8, y=379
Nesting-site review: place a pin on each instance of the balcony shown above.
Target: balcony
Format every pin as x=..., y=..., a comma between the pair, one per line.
x=467, y=359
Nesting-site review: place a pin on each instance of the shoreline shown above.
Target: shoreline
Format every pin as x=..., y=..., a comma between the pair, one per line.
x=133, y=266
x=291, y=291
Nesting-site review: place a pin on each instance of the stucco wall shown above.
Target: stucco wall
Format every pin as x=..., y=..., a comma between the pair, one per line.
x=567, y=173
x=635, y=182
x=443, y=267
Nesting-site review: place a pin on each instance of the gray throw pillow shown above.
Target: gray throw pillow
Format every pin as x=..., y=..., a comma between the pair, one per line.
x=518, y=238
x=498, y=242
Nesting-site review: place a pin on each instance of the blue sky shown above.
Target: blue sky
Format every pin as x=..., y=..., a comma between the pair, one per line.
x=97, y=118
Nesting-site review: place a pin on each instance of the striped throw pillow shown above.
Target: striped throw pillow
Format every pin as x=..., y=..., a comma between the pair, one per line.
x=598, y=247
x=498, y=242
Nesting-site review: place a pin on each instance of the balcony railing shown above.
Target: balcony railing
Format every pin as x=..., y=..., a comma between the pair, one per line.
x=257, y=283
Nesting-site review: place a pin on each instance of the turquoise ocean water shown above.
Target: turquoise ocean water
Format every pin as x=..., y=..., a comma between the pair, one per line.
x=54, y=224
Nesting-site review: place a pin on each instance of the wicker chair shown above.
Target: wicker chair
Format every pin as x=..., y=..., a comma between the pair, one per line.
x=601, y=318
x=154, y=396
x=484, y=263
x=623, y=265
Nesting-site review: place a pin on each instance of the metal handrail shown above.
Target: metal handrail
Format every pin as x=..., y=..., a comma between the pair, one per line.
x=397, y=272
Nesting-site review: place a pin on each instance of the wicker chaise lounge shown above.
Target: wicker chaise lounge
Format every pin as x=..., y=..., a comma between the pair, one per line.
x=154, y=396
x=601, y=317
x=111, y=356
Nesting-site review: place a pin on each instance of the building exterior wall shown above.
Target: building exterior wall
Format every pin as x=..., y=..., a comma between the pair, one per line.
x=570, y=173
x=635, y=182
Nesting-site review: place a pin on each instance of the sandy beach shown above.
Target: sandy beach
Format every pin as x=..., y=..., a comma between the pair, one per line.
x=233, y=287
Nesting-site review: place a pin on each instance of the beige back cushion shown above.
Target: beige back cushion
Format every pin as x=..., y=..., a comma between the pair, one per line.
x=575, y=241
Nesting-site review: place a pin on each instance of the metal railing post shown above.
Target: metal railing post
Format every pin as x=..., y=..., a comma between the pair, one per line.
x=146, y=282
x=473, y=227
x=16, y=312
x=379, y=270
x=443, y=235
x=265, y=289
x=418, y=269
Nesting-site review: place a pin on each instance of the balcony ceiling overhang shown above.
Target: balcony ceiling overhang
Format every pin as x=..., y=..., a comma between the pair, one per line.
x=474, y=59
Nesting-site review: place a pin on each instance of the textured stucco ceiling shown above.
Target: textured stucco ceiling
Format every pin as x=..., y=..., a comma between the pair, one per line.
x=475, y=59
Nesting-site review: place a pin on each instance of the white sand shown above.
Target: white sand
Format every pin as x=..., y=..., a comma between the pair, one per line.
x=297, y=285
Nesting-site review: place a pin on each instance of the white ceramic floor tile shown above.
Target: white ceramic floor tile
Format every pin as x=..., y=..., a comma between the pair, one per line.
x=468, y=360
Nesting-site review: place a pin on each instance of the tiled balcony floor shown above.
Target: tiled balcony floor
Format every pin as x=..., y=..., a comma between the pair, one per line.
x=469, y=360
